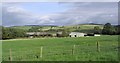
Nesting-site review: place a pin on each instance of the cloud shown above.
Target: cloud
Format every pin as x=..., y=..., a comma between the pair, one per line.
x=14, y=15
x=91, y=12
x=0, y=13
x=60, y=0
x=76, y=13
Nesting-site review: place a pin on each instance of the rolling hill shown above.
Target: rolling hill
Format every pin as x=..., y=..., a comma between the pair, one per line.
x=79, y=28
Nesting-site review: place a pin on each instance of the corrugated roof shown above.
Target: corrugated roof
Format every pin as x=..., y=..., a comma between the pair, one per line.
x=75, y=33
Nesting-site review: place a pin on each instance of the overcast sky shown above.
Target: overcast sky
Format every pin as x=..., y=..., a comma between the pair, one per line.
x=54, y=13
x=60, y=0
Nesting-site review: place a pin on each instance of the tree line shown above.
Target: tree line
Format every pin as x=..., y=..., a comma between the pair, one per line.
x=10, y=33
x=108, y=29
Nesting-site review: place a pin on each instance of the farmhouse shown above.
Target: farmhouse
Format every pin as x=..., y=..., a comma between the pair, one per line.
x=76, y=34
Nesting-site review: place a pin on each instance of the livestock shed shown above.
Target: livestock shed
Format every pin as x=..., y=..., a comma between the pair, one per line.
x=76, y=34
x=59, y=34
x=96, y=35
x=39, y=34
x=92, y=34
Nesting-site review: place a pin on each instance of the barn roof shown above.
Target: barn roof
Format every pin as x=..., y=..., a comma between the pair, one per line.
x=72, y=33
x=37, y=33
x=59, y=32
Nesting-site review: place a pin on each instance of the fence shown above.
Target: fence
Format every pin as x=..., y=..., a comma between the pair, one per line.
x=56, y=52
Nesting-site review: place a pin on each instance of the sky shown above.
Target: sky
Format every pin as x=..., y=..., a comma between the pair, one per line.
x=58, y=13
x=60, y=0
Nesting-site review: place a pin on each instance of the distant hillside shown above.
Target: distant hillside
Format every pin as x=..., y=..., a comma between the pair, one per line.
x=27, y=27
x=91, y=24
x=86, y=28
x=22, y=27
x=42, y=25
x=77, y=28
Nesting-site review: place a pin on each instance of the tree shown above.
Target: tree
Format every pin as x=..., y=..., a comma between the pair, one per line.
x=5, y=33
x=0, y=32
x=97, y=30
x=35, y=29
x=117, y=29
x=108, y=29
x=10, y=33
x=65, y=33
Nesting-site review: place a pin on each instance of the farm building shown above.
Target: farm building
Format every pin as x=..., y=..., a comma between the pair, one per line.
x=40, y=34
x=76, y=34
x=92, y=34
x=59, y=34
x=96, y=35
x=30, y=33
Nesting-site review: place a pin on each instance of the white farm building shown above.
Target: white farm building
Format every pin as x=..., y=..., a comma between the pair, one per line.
x=76, y=34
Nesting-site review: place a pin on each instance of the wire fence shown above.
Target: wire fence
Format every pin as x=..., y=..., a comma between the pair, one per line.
x=46, y=52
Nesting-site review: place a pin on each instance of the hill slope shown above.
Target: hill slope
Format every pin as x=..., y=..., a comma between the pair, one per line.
x=79, y=28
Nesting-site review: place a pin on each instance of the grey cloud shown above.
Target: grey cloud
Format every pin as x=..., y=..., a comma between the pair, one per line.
x=60, y=0
x=93, y=12
x=15, y=16
x=77, y=13
x=0, y=13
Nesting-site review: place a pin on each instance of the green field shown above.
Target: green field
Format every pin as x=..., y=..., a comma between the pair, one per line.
x=60, y=49
x=83, y=28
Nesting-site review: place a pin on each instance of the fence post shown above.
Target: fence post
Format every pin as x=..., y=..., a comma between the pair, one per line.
x=41, y=51
x=98, y=47
x=73, y=50
x=10, y=55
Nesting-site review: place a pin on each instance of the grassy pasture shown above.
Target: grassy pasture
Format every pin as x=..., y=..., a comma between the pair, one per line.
x=22, y=27
x=60, y=49
x=82, y=27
